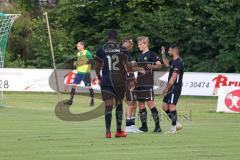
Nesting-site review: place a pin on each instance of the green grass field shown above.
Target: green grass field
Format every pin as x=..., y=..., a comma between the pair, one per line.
x=29, y=129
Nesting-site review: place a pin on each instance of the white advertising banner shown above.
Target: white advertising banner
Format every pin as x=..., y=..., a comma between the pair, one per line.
x=37, y=80
x=41, y=80
x=229, y=100
x=12, y=79
x=206, y=84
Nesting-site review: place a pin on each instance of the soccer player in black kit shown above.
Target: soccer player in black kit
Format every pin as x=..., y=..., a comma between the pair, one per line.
x=130, y=94
x=112, y=60
x=149, y=61
x=173, y=88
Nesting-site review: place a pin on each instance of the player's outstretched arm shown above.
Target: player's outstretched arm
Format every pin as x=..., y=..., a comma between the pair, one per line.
x=99, y=65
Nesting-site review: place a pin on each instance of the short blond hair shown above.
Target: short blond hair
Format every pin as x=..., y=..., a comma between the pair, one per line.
x=143, y=39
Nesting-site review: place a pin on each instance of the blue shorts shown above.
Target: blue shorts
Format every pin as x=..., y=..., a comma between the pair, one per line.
x=172, y=97
x=82, y=77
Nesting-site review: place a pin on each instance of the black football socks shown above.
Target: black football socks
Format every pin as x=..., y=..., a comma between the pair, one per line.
x=143, y=117
x=155, y=117
x=108, y=118
x=173, y=116
x=119, y=115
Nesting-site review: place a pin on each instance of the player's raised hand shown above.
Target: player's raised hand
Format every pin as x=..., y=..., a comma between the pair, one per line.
x=163, y=50
x=149, y=66
x=142, y=70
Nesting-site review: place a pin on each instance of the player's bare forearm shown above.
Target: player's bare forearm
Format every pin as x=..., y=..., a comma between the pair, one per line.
x=171, y=82
x=156, y=66
x=98, y=69
x=99, y=65
x=133, y=63
x=166, y=62
x=173, y=78
x=129, y=68
x=137, y=68
x=134, y=66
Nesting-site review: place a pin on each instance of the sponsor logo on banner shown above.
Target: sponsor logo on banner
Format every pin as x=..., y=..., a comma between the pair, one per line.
x=69, y=79
x=222, y=80
x=232, y=100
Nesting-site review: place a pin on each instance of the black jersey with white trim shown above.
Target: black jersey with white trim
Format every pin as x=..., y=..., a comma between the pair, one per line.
x=143, y=59
x=177, y=65
x=115, y=59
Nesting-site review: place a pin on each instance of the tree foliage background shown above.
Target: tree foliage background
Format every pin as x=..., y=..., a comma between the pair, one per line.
x=208, y=31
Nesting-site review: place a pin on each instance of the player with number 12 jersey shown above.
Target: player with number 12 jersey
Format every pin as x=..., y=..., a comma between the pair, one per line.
x=112, y=59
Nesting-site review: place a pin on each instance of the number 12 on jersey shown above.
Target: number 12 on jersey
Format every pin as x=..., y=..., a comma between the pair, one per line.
x=112, y=62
